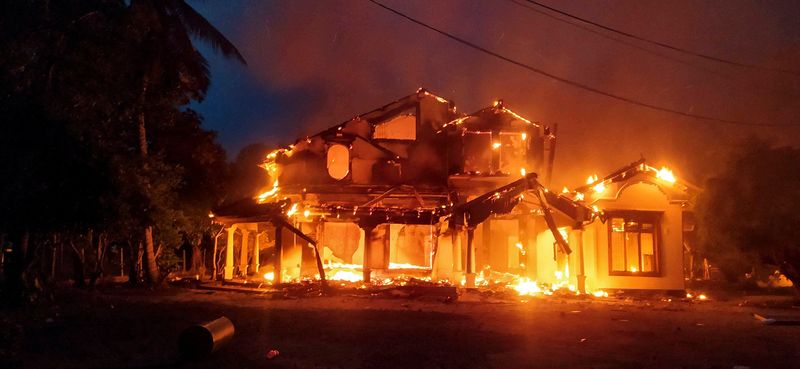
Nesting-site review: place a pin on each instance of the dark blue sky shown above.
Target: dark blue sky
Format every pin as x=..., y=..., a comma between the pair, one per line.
x=312, y=64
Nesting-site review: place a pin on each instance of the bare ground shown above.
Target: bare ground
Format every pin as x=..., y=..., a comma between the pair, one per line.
x=121, y=328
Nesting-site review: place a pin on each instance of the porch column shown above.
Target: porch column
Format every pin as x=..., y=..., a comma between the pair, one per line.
x=276, y=259
x=434, y=257
x=367, y=264
x=470, y=276
x=256, y=253
x=387, y=240
x=228, y=274
x=580, y=273
x=243, y=253
x=455, y=237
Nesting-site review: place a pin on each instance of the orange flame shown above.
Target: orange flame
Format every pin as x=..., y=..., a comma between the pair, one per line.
x=665, y=174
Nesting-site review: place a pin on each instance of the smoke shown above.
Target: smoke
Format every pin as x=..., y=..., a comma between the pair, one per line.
x=337, y=59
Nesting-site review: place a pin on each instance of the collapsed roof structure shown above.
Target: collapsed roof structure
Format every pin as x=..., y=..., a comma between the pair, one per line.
x=416, y=186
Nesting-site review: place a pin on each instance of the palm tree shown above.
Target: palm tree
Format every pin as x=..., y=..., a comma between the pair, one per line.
x=172, y=70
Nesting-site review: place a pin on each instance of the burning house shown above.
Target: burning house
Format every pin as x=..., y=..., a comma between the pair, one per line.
x=416, y=188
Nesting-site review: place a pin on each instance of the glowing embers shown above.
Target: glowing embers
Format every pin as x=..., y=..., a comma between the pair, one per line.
x=407, y=266
x=525, y=286
x=354, y=273
x=600, y=293
x=697, y=297
x=345, y=275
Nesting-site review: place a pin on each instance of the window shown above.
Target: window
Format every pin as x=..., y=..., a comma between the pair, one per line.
x=402, y=127
x=338, y=161
x=512, y=152
x=478, y=152
x=633, y=243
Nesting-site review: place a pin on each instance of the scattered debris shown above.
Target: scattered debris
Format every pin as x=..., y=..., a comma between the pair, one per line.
x=777, y=320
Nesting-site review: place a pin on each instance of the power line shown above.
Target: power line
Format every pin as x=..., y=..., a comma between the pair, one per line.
x=664, y=45
x=724, y=76
x=620, y=40
x=574, y=83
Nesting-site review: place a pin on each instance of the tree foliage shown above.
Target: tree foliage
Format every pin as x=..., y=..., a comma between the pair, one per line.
x=72, y=74
x=749, y=212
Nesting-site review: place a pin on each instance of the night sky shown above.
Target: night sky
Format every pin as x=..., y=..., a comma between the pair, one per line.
x=313, y=64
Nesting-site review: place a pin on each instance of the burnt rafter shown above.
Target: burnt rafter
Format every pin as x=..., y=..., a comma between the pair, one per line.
x=503, y=200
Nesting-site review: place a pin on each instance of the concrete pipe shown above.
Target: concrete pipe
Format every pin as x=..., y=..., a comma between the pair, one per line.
x=201, y=340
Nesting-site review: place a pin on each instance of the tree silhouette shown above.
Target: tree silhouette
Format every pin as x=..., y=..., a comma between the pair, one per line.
x=749, y=212
x=165, y=29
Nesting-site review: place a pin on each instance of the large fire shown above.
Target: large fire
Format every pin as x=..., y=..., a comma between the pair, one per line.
x=272, y=192
x=523, y=286
x=598, y=186
x=666, y=174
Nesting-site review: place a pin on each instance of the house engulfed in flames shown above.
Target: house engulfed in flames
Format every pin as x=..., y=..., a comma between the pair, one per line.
x=416, y=189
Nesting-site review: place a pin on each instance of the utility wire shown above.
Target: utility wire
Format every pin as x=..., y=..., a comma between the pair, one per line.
x=574, y=83
x=617, y=39
x=724, y=76
x=664, y=45
x=570, y=82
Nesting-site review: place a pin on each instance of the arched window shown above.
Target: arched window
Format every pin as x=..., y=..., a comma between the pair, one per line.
x=338, y=161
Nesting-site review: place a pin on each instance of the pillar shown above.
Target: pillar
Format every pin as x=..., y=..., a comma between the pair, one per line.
x=455, y=236
x=580, y=274
x=487, y=254
x=386, y=243
x=256, y=253
x=277, y=266
x=470, y=276
x=308, y=263
x=434, y=239
x=379, y=252
x=228, y=273
x=367, y=264
x=243, y=253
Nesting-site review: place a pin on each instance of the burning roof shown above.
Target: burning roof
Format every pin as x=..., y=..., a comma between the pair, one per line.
x=609, y=186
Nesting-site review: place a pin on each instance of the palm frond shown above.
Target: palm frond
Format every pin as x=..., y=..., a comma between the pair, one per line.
x=201, y=28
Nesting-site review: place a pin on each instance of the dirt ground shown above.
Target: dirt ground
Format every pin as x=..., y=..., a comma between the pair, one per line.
x=121, y=328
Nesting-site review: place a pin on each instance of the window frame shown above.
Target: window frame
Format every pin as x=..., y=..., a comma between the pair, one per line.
x=639, y=216
x=393, y=119
x=490, y=170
